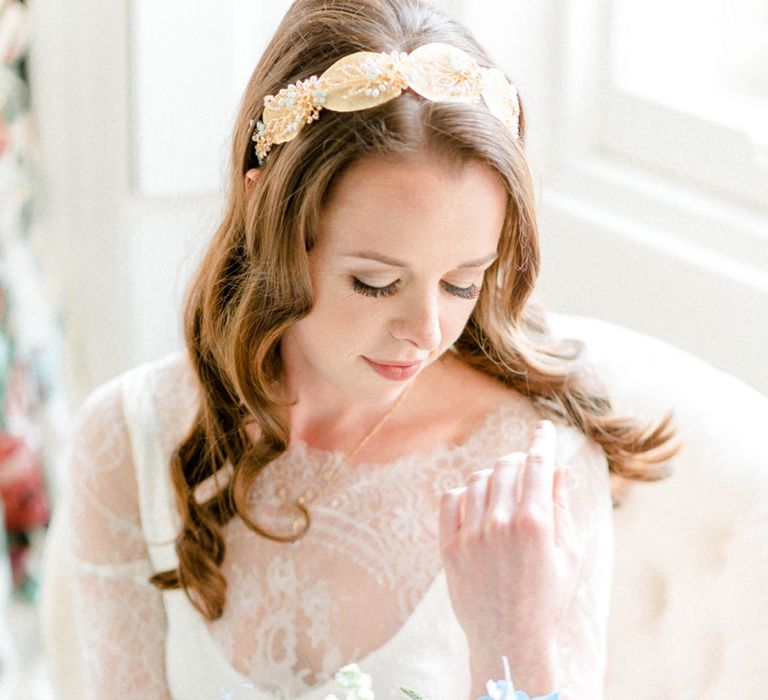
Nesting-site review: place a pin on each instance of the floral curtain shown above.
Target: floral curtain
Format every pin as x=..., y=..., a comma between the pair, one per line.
x=32, y=404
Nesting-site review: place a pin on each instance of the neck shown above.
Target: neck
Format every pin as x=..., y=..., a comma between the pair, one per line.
x=325, y=418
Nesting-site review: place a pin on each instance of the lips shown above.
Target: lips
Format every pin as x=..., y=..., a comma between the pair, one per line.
x=394, y=370
x=396, y=363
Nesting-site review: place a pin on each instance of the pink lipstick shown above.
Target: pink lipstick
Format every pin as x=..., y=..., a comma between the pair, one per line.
x=395, y=371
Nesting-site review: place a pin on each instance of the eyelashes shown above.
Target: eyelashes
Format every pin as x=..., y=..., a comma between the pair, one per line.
x=369, y=291
x=471, y=292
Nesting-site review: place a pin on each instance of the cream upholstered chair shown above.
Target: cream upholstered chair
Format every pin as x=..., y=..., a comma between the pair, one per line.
x=689, y=610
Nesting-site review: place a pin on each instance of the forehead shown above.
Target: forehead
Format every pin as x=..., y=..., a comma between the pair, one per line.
x=418, y=207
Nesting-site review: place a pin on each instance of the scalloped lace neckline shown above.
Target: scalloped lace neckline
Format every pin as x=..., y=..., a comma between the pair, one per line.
x=299, y=447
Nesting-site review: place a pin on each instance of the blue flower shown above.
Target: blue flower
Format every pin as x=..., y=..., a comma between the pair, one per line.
x=519, y=694
x=503, y=689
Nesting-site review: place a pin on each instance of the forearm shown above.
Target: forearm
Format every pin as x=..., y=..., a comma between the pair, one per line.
x=121, y=625
x=533, y=673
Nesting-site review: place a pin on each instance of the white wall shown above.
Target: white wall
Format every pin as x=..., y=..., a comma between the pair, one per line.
x=119, y=257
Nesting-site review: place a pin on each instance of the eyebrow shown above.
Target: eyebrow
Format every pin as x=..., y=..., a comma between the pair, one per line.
x=378, y=257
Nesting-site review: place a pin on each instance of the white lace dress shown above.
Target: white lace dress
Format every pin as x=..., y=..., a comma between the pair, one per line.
x=365, y=584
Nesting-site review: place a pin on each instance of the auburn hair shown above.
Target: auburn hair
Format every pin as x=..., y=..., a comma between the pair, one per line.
x=253, y=282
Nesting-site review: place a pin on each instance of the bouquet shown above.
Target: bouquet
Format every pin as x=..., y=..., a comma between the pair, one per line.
x=358, y=687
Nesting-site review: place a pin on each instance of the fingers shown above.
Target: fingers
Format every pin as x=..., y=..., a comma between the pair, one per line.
x=503, y=495
x=538, y=481
x=524, y=482
x=450, y=515
x=488, y=492
x=476, y=499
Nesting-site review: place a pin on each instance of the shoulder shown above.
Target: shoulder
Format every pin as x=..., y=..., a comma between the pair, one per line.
x=474, y=395
x=173, y=369
x=162, y=388
x=164, y=384
x=469, y=396
x=148, y=405
x=161, y=377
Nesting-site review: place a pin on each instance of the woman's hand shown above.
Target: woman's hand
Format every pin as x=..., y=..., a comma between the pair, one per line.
x=511, y=563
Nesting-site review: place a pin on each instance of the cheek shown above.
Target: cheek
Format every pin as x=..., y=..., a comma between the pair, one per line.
x=340, y=315
x=456, y=323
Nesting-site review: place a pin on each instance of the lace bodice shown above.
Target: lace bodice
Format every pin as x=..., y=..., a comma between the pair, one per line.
x=294, y=613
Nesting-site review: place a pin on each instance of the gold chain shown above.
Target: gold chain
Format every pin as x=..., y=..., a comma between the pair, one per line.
x=302, y=503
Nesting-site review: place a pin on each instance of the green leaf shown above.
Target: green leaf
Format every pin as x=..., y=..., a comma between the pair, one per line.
x=411, y=694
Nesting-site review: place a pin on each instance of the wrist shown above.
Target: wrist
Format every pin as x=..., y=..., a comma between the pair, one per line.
x=532, y=672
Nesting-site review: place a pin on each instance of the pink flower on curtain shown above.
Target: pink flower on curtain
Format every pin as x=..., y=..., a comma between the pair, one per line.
x=26, y=507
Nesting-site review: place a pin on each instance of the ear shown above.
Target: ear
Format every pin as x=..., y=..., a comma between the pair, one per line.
x=251, y=177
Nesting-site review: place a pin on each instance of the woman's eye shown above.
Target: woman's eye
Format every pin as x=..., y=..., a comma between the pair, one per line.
x=366, y=289
x=471, y=292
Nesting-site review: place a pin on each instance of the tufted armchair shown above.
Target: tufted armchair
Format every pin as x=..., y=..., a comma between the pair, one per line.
x=689, y=609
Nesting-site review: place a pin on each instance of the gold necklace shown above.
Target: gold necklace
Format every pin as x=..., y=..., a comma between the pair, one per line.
x=303, y=503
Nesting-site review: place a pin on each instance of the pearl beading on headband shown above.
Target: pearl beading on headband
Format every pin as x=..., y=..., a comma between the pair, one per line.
x=438, y=72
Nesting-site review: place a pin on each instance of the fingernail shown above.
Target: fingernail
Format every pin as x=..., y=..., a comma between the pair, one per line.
x=480, y=474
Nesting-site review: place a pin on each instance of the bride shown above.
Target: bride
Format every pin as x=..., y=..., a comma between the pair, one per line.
x=371, y=449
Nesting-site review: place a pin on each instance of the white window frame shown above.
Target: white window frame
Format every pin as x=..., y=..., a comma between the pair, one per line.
x=622, y=152
x=608, y=189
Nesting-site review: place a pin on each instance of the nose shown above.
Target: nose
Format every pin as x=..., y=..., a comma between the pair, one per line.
x=418, y=322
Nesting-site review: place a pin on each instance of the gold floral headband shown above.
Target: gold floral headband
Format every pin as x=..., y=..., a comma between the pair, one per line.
x=437, y=72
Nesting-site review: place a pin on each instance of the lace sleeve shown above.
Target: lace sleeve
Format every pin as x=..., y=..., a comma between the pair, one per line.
x=120, y=616
x=582, y=637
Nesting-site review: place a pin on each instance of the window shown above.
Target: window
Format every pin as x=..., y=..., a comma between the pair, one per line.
x=689, y=91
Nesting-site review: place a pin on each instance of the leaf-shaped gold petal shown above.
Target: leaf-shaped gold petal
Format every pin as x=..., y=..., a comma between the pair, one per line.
x=501, y=97
x=444, y=73
x=361, y=80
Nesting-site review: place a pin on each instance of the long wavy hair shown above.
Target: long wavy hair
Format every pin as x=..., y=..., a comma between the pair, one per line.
x=253, y=282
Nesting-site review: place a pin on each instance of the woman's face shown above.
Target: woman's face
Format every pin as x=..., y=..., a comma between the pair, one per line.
x=396, y=272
